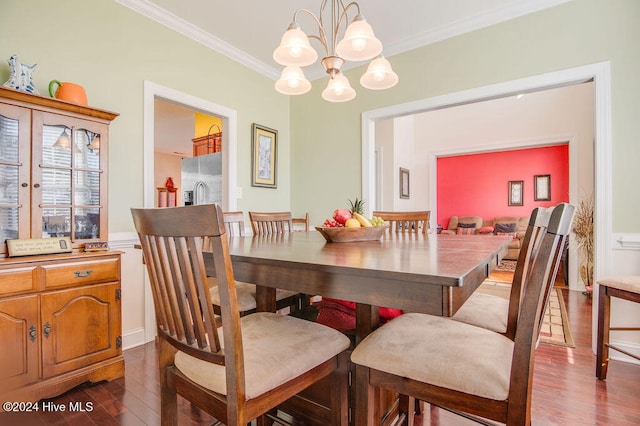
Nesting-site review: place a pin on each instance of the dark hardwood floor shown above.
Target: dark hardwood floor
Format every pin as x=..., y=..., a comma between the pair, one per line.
x=565, y=390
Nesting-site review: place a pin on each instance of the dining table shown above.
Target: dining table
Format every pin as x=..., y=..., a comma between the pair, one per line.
x=414, y=272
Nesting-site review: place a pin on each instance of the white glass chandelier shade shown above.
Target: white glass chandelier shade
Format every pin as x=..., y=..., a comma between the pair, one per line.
x=338, y=89
x=293, y=82
x=359, y=42
x=379, y=75
x=295, y=49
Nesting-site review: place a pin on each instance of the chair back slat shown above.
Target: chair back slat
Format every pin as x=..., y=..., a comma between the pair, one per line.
x=536, y=286
x=269, y=223
x=413, y=221
x=172, y=243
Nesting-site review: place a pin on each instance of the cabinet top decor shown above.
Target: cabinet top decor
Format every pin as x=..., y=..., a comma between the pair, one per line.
x=47, y=102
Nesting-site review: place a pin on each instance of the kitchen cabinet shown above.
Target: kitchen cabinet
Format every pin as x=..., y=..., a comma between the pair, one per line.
x=208, y=144
x=60, y=314
x=60, y=323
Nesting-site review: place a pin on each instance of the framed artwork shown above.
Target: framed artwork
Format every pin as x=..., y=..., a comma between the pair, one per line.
x=516, y=190
x=404, y=183
x=264, y=144
x=542, y=187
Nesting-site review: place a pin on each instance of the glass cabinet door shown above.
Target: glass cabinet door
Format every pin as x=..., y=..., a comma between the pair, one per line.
x=71, y=196
x=14, y=173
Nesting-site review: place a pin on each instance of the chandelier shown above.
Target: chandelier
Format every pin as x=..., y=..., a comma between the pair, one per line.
x=358, y=44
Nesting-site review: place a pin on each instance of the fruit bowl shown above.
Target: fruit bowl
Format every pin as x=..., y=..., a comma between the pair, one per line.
x=348, y=235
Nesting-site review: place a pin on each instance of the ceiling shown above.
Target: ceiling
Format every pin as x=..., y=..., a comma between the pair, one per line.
x=249, y=31
x=243, y=34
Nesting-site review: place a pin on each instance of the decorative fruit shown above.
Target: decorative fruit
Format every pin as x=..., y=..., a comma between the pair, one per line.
x=330, y=223
x=377, y=221
x=362, y=220
x=356, y=206
x=341, y=215
x=352, y=223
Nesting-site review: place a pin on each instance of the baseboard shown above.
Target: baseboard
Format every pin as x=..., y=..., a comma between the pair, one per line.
x=133, y=338
x=632, y=348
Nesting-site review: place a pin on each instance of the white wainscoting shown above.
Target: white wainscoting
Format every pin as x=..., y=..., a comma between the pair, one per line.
x=133, y=291
x=625, y=256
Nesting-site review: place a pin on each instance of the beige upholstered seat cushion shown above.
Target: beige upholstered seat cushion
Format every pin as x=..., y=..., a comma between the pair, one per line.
x=630, y=283
x=486, y=311
x=440, y=352
x=246, y=294
x=277, y=348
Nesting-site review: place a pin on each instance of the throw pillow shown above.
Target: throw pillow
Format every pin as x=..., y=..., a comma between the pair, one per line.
x=486, y=230
x=465, y=231
x=507, y=228
x=466, y=225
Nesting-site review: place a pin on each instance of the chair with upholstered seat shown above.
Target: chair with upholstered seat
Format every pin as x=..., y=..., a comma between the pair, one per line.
x=458, y=366
x=269, y=223
x=626, y=287
x=245, y=368
x=234, y=226
x=415, y=221
x=274, y=223
x=493, y=312
x=304, y=221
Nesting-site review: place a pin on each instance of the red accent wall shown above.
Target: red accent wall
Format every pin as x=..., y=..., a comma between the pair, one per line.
x=477, y=184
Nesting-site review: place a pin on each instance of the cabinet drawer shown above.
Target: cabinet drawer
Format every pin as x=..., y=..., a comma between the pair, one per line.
x=78, y=273
x=17, y=280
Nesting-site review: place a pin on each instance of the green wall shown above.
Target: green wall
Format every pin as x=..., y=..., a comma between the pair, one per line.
x=326, y=138
x=111, y=50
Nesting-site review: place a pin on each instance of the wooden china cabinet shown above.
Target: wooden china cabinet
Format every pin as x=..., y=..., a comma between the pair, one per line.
x=60, y=314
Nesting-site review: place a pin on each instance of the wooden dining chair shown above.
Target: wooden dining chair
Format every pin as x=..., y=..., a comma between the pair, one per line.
x=415, y=221
x=273, y=223
x=304, y=221
x=234, y=226
x=626, y=287
x=250, y=365
x=493, y=312
x=269, y=223
x=458, y=366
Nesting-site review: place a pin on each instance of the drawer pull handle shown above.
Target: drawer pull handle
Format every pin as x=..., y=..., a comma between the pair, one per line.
x=47, y=329
x=32, y=333
x=83, y=274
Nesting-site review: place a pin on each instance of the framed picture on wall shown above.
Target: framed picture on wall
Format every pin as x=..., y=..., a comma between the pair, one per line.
x=542, y=188
x=516, y=192
x=404, y=183
x=263, y=156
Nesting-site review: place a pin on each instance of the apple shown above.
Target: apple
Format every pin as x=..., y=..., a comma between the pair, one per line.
x=341, y=215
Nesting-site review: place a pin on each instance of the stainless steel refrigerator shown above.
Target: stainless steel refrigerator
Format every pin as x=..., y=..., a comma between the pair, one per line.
x=202, y=179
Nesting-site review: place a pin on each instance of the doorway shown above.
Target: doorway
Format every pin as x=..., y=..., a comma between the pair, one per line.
x=152, y=93
x=599, y=73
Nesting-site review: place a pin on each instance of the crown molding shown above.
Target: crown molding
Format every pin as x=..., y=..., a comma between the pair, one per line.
x=168, y=19
x=472, y=23
x=459, y=27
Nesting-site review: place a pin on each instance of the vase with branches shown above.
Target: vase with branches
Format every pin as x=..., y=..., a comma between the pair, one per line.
x=583, y=231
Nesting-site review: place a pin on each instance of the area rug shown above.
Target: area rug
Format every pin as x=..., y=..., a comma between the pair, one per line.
x=555, y=324
x=503, y=273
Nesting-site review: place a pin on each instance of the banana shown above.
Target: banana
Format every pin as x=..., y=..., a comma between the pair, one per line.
x=363, y=220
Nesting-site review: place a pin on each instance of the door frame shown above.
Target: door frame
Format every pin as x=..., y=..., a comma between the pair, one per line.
x=599, y=73
x=153, y=92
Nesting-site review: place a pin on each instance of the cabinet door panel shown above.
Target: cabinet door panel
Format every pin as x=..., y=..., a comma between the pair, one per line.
x=19, y=355
x=15, y=179
x=84, y=327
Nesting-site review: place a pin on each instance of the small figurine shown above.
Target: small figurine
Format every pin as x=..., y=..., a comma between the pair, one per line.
x=169, y=183
x=20, y=77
